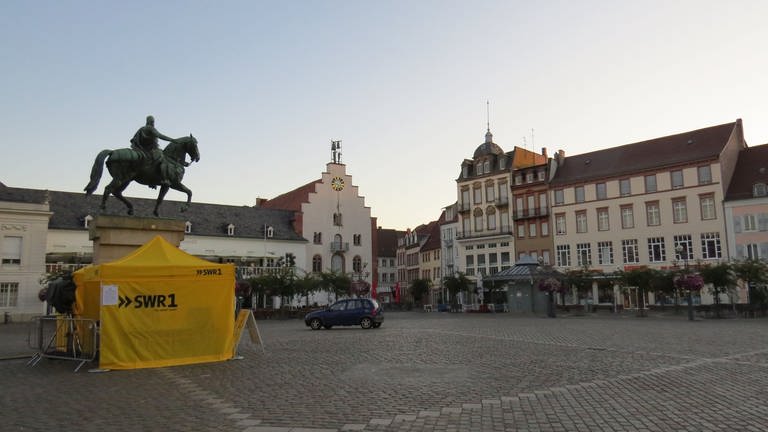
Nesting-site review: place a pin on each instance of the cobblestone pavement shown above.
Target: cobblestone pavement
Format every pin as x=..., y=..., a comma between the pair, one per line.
x=422, y=372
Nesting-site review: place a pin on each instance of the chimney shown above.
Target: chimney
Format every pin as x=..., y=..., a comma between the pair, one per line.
x=544, y=151
x=260, y=202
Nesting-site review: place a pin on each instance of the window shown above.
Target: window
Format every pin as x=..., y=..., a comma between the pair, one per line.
x=479, y=168
x=470, y=261
x=559, y=196
x=759, y=190
x=230, y=230
x=528, y=177
x=752, y=251
x=504, y=260
x=584, y=254
x=532, y=229
x=656, y=251
x=337, y=219
x=624, y=187
x=317, y=264
x=581, y=221
x=487, y=166
x=750, y=222
x=502, y=163
x=317, y=238
x=601, y=191
x=477, y=194
x=579, y=190
x=544, y=228
x=503, y=194
x=466, y=226
x=705, y=174
x=543, y=203
x=652, y=213
x=684, y=241
x=465, y=199
x=679, y=210
x=9, y=294
x=357, y=264
x=518, y=179
x=542, y=175
x=676, y=177
x=560, y=224
x=707, y=205
x=563, y=255
x=478, y=220
x=11, y=251
x=603, y=223
x=491, y=218
x=489, y=192
x=521, y=230
x=545, y=256
x=188, y=227
x=650, y=183
x=627, y=217
x=605, y=253
x=629, y=250
x=710, y=246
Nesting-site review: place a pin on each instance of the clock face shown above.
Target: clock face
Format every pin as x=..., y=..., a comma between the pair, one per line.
x=337, y=183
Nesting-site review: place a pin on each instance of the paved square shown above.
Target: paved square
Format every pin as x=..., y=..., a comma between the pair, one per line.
x=426, y=372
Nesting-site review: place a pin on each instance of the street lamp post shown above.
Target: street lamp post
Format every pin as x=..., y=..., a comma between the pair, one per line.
x=680, y=249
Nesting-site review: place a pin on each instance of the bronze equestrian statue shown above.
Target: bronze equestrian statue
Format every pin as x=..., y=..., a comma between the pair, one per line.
x=146, y=164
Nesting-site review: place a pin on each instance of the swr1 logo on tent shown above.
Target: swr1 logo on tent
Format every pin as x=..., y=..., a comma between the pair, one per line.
x=149, y=301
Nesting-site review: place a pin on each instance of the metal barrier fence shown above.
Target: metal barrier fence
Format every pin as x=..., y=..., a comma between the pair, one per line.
x=63, y=337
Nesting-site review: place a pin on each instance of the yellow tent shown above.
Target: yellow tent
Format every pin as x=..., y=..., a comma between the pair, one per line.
x=159, y=306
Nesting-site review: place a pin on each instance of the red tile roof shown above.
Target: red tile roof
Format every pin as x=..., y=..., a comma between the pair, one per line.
x=292, y=200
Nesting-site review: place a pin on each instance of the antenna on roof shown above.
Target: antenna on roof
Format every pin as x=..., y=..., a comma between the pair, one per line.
x=488, y=115
x=532, y=146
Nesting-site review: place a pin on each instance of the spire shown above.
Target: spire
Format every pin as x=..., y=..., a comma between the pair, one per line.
x=488, y=134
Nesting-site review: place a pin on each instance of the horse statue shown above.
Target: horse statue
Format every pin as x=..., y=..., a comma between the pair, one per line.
x=127, y=165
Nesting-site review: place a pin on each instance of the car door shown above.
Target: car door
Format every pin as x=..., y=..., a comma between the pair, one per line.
x=352, y=313
x=335, y=314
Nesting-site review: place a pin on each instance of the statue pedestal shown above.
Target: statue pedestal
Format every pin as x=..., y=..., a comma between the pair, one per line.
x=116, y=236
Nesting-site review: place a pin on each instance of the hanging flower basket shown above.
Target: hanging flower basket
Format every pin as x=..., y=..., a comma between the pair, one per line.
x=551, y=285
x=689, y=282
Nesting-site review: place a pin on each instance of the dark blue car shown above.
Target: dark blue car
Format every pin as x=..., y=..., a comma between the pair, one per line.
x=361, y=311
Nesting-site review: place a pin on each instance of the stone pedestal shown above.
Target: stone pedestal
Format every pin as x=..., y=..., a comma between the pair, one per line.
x=116, y=236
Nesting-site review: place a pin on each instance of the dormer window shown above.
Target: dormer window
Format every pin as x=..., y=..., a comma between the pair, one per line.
x=87, y=221
x=759, y=190
x=270, y=232
x=487, y=166
x=230, y=230
x=479, y=169
x=188, y=227
x=502, y=163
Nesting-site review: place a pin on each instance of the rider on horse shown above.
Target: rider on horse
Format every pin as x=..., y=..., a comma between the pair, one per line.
x=144, y=141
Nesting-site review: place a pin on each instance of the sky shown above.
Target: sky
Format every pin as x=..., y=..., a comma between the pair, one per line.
x=408, y=86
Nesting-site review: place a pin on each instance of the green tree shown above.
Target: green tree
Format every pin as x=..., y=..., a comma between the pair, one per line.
x=722, y=279
x=456, y=284
x=752, y=272
x=419, y=288
x=305, y=285
x=641, y=278
x=337, y=283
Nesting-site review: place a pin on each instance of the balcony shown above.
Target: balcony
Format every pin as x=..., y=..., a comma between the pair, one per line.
x=447, y=243
x=501, y=232
x=530, y=213
x=339, y=247
x=464, y=207
x=502, y=201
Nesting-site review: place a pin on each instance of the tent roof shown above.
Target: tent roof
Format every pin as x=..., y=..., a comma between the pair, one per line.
x=525, y=268
x=158, y=252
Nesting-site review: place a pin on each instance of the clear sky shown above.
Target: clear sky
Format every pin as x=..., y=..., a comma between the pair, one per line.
x=266, y=85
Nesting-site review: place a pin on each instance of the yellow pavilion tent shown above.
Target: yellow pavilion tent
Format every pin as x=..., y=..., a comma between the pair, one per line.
x=159, y=306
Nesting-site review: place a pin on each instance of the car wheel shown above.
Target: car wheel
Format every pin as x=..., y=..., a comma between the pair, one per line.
x=315, y=324
x=366, y=323
x=376, y=325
